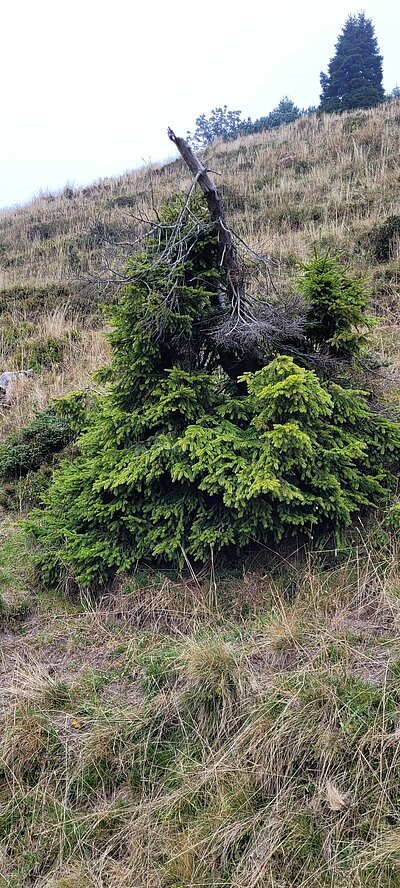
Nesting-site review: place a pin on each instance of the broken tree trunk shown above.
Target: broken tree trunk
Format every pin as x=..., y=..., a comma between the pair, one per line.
x=236, y=354
x=229, y=257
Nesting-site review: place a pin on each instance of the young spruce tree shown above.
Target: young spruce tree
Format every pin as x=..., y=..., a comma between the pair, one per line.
x=180, y=459
x=354, y=78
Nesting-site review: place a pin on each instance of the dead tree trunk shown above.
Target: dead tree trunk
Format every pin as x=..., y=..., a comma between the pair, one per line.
x=234, y=360
x=229, y=257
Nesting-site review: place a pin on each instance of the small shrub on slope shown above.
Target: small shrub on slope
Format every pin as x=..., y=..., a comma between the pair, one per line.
x=180, y=460
x=28, y=456
x=337, y=303
x=28, y=449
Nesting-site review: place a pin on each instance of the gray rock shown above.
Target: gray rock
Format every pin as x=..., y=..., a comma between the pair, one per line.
x=7, y=379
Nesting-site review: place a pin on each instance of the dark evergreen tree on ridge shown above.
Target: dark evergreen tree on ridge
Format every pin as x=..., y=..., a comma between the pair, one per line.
x=354, y=78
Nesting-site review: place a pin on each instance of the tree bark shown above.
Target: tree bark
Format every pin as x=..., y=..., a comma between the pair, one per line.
x=235, y=360
x=229, y=257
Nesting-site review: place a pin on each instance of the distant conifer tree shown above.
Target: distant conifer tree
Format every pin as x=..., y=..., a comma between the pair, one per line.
x=354, y=78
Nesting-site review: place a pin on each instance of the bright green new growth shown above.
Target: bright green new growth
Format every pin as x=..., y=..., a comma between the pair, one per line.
x=337, y=308
x=178, y=461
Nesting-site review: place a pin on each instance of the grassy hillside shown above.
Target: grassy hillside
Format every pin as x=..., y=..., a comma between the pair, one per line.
x=331, y=181
x=331, y=178
x=195, y=731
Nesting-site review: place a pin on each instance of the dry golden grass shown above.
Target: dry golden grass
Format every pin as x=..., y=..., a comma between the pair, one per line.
x=84, y=350
x=242, y=765
x=328, y=179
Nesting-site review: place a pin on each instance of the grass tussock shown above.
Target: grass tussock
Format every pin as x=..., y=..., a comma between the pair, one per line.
x=16, y=574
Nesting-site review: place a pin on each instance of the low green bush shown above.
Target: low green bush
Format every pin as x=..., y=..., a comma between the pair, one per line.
x=16, y=573
x=45, y=353
x=27, y=450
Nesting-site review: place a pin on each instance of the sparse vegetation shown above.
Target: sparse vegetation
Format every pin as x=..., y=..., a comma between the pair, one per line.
x=226, y=125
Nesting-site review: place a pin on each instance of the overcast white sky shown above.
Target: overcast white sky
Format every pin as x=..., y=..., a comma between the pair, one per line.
x=89, y=88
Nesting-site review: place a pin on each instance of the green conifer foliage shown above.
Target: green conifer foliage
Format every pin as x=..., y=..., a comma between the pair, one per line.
x=354, y=78
x=336, y=319
x=176, y=461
